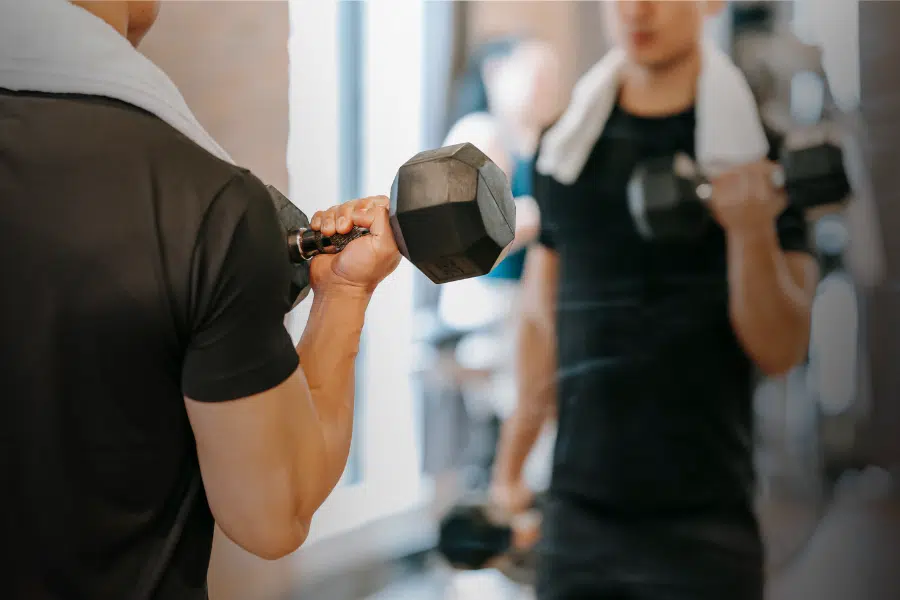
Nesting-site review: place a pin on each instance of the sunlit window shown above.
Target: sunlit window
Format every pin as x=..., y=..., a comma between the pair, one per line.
x=356, y=116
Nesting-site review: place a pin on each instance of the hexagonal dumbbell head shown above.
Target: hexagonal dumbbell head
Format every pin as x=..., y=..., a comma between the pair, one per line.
x=452, y=213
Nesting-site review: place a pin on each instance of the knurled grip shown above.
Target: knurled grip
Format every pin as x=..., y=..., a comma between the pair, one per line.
x=305, y=244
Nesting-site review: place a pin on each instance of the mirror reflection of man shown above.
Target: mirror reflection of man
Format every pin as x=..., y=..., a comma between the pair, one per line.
x=646, y=352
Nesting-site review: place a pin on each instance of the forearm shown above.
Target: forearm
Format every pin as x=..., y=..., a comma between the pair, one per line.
x=770, y=310
x=327, y=351
x=536, y=368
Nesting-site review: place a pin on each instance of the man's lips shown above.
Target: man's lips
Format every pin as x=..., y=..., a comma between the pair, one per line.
x=641, y=38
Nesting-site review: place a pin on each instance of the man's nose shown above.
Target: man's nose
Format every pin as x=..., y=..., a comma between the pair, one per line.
x=636, y=11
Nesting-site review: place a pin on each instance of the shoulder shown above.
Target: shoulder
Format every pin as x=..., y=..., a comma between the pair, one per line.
x=195, y=196
x=145, y=145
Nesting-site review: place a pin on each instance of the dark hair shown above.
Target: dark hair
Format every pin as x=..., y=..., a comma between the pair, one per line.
x=470, y=91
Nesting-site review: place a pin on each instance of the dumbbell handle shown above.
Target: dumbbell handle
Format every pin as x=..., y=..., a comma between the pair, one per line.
x=703, y=187
x=305, y=244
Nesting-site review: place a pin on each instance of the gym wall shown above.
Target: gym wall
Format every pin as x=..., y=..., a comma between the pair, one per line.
x=227, y=63
x=879, y=57
x=575, y=28
x=232, y=67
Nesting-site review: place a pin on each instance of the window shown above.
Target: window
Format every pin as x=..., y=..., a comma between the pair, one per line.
x=350, y=32
x=356, y=111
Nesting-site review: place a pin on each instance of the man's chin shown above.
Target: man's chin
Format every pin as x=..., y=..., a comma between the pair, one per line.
x=644, y=58
x=652, y=61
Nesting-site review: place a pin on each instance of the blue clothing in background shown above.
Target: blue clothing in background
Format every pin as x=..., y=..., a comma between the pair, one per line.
x=512, y=267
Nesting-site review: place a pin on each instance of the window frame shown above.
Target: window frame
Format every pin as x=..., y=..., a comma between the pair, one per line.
x=388, y=479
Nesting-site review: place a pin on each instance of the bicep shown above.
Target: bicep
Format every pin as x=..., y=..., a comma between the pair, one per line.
x=239, y=284
x=540, y=281
x=247, y=400
x=248, y=450
x=537, y=335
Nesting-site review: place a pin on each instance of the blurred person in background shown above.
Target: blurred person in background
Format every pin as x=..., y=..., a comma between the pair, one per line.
x=511, y=91
x=646, y=352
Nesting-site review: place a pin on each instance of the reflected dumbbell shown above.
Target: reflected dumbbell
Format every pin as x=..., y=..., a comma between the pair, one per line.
x=667, y=196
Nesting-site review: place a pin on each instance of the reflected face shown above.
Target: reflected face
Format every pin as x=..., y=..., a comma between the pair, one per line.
x=655, y=33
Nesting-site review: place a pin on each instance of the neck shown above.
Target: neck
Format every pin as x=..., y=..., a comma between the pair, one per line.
x=661, y=90
x=115, y=14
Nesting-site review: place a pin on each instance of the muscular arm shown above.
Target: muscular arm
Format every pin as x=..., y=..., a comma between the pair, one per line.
x=536, y=365
x=272, y=422
x=269, y=461
x=771, y=299
x=327, y=352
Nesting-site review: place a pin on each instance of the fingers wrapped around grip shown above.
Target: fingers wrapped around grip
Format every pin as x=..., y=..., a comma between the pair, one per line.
x=342, y=217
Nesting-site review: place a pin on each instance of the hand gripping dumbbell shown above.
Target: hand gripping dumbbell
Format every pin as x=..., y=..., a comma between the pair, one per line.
x=475, y=536
x=452, y=215
x=667, y=196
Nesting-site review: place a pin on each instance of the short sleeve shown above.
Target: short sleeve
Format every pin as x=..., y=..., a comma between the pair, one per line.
x=240, y=277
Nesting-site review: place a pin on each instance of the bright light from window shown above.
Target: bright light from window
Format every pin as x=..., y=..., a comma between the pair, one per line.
x=392, y=120
x=313, y=111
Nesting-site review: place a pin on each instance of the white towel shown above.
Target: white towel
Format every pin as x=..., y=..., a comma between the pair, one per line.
x=729, y=129
x=53, y=46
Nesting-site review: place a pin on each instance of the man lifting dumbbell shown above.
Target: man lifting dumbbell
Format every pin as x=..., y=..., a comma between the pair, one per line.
x=645, y=350
x=668, y=195
x=150, y=388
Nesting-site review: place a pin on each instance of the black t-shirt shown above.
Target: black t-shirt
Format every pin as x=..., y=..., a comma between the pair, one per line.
x=137, y=269
x=654, y=389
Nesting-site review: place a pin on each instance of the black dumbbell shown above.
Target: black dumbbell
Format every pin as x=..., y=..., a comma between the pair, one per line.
x=667, y=195
x=473, y=536
x=452, y=215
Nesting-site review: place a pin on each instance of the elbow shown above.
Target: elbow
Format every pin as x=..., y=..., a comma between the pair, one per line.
x=783, y=360
x=776, y=368
x=274, y=541
x=271, y=526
